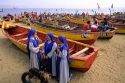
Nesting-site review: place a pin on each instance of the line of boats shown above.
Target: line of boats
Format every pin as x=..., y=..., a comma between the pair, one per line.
x=119, y=23
x=75, y=34
x=82, y=55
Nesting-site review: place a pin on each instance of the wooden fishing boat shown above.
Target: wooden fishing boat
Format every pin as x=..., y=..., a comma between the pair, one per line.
x=81, y=55
x=102, y=35
x=70, y=34
x=119, y=24
x=120, y=27
x=6, y=24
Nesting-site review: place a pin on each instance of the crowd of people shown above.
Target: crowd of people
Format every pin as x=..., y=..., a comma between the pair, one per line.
x=93, y=26
x=52, y=57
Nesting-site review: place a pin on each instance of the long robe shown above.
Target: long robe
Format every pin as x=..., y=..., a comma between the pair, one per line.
x=34, y=62
x=52, y=56
x=64, y=67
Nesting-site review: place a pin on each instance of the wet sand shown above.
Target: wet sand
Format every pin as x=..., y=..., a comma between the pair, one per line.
x=109, y=66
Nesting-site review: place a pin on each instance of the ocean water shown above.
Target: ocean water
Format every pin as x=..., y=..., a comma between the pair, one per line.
x=18, y=11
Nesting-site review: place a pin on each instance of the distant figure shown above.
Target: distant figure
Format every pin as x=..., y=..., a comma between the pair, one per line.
x=64, y=75
x=49, y=51
x=94, y=27
x=83, y=15
x=33, y=49
x=105, y=25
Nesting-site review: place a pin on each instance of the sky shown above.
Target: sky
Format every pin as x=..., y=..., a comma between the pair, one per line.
x=79, y=4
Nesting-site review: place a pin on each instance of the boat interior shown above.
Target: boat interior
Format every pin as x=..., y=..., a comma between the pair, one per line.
x=76, y=30
x=19, y=34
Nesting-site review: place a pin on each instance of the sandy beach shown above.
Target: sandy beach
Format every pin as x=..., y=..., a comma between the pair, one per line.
x=109, y=66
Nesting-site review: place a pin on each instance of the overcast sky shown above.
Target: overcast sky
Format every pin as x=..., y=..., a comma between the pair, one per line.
x=81, y=4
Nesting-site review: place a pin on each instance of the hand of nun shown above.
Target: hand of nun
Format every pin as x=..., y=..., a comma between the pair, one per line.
x=46, y=57
x=38, y=47
x=36, y=36
x=43, y=56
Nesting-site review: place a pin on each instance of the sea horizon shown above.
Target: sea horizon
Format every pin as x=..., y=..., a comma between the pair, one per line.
x=91, y=11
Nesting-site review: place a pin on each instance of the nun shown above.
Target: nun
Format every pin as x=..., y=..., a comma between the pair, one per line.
x=64, y=60
x=50, y=55
x=33, y=49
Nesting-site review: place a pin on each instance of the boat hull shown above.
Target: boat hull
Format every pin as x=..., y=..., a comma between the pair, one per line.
x=78, y=64
x=120, y=27
x=106, y=35
x=102, y=35
x=122, y=31
x=21, y=46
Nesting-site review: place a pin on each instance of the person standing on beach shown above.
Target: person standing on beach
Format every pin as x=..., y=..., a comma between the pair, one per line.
x=33, y=49
x=49, y=51
x=64, y=74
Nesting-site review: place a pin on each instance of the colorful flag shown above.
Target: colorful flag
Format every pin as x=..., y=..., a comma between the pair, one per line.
x=98, y=6
x=95, y=13
x=112, y=5
x=110, y=11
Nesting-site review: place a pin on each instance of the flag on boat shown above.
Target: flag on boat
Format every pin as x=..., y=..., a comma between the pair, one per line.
x=110, y=11
x=112, y=5
x=98, y=6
